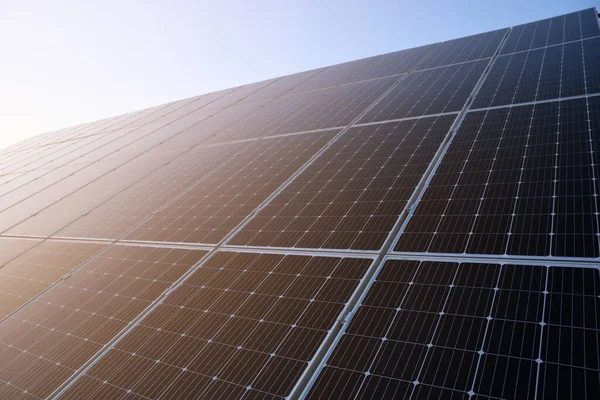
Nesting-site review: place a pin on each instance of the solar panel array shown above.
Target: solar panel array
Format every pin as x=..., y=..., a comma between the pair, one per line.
x=419, y=224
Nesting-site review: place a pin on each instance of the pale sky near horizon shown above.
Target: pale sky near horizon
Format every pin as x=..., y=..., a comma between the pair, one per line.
x=70, y=62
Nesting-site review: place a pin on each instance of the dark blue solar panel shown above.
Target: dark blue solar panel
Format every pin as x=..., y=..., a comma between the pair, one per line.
x=565, y=28
x=571, y=69
x=519, y=181
x=453, y=330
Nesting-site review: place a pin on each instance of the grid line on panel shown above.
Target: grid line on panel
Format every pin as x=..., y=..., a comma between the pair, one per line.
x=420, y=256
x=485, y=333
x=540, y=349
x=490, y=258
x=342, y=84
x=443, y=114
x=522, y=163
x=452, y=64
x=556, y=159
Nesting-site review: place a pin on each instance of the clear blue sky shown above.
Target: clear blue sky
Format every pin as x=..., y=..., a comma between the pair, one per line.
x=68, y=62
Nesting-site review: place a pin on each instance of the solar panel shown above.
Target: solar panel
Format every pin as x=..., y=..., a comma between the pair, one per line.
x=433, y=91
x=517, y=180
x=211, y=209
x=28, y=275
x=48, y=210
x=11, y=248
x=244, y=324
x=389, y=64
x=350, y=196
x=457, y=330
x=565, y=28
x=542, y=74
x=418, y=224
x=336, y=107
x=470, y=48
x=45, y=342
x=127, y=209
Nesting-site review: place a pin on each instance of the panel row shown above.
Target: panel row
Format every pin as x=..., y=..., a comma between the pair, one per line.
x=206, y=191
x=241, y=325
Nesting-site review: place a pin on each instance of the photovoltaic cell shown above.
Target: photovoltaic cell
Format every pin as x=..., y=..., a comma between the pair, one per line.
x=389, y=64
x=542, y=74
x=96, y=144
x=244, y=325
x=11, y=248
x=434, y=91
x=336, y=107
x=574, y=26
x=29, y=274
x=470, y=48
x=49, y=216
x=237, y=95
x=196, y=128
x=267, y=119
x=210, y=210
x=281, y=86
x=130, y=207
x=517, y=181
x=33, y=198
x=399, y=62
x=454, y=330
x=352, y=194
x=45, y=342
